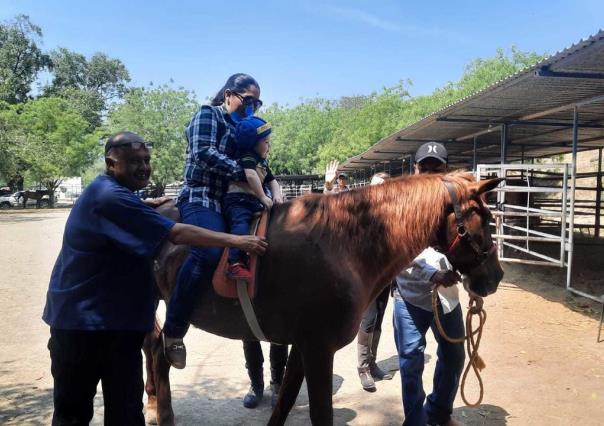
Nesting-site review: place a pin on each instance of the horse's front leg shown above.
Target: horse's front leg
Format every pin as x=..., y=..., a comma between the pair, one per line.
x=161, y=370
x=318, y=369
x=151, y=408
x=294, y=375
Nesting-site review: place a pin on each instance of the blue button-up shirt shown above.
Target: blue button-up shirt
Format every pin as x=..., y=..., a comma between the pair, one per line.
x=210, y=161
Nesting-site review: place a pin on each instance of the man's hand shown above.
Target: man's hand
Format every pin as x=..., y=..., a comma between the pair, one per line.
x=445, y=278
x=277, y=199
x=156, y=202
x=251, y=244
x=268, y=203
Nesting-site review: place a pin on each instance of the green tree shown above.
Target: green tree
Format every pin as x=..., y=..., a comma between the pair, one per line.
x=159, y=115
x=90, y=85
x=52, y=140
x=9, y=158
x=20, y=58
x=307, y=136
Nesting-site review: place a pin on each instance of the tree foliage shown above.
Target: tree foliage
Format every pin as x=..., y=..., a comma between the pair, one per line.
x=159, y=115
x=90, y=85
x=307, y=136
x=20, y=58
x=50, y=139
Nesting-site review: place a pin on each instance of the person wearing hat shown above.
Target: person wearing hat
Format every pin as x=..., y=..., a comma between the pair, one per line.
x=243, y=199
x=331, y=175
x=100, y=301
x=413, y=317
x=252, y=136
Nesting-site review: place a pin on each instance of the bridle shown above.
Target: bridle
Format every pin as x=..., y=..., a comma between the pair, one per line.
x=463, y=236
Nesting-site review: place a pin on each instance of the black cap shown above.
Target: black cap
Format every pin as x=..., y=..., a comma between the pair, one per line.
x=342, y=174
x=432, y=150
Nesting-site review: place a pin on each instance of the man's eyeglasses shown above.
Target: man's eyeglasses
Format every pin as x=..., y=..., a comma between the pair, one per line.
x=133, y=145
x=249, y=100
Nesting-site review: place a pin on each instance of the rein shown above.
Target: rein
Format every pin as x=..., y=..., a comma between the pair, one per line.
x=473, y=337
x=472, y=340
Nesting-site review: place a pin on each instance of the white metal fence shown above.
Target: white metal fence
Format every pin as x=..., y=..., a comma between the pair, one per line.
x=534, y=212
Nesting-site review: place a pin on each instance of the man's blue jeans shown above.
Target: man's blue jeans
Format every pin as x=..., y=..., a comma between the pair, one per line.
x=410, y=326
x=196, y=271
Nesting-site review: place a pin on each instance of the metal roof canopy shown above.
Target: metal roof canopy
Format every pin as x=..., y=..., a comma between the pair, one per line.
x=527, y=115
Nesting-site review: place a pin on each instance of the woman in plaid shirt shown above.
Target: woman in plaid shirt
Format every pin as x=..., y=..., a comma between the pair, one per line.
x=209, y=168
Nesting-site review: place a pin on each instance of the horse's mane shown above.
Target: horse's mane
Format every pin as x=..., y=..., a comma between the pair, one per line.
x=398, y=216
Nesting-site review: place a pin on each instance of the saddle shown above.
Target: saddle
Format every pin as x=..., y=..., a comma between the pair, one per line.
x=227, y=287
x=224, y=286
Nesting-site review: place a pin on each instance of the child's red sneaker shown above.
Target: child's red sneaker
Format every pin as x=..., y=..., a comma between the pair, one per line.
x=238, y=271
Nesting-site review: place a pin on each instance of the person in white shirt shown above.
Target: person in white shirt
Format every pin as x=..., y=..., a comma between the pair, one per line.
x=413, y=317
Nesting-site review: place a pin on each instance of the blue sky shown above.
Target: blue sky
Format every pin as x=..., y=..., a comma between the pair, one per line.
x=301, y=49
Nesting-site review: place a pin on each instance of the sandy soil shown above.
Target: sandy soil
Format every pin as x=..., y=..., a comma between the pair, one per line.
x=544, y=366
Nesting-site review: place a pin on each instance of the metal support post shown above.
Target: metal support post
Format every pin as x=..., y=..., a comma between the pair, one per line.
x=474, y=154
x=504, y=143
x=598, y=195
x=569, y=269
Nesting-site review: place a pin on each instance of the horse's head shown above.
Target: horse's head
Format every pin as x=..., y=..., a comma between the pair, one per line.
x=465, y=236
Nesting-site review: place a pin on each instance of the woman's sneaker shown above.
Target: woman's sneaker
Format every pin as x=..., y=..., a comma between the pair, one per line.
x=239, y=272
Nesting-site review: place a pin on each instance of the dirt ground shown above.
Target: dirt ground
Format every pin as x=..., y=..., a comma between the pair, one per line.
x=544, y=366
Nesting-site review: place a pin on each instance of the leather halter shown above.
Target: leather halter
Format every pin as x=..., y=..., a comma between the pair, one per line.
x=463, y=236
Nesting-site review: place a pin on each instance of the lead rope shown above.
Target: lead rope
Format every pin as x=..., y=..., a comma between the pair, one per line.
x=472, y=340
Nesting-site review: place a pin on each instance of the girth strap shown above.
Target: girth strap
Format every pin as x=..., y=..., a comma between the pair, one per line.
x=248, y=311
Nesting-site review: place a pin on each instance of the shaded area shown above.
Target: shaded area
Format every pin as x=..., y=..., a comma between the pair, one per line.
x=5, y=218
x=484, y=414
x=548, y=281
x=192, y=402
x=25, y=403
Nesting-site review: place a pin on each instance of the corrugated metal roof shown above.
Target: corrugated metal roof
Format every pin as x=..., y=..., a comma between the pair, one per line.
x=530, y=102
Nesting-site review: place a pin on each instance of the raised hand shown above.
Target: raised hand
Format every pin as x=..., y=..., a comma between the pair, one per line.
x=330, y=171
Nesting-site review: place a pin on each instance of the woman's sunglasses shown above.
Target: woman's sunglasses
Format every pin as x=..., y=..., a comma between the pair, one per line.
x=249, y=100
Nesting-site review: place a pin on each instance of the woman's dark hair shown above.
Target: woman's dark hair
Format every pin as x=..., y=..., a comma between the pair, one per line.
x=236, y=83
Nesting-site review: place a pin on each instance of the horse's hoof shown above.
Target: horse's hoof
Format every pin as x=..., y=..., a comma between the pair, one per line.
x=151, y=411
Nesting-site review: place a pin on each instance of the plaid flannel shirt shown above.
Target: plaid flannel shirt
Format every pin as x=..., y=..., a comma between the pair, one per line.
x=210, y=152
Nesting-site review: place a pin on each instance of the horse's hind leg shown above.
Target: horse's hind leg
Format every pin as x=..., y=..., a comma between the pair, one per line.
x=161, y=370
x=151, y=408
x=318, y=369
x=294, y=374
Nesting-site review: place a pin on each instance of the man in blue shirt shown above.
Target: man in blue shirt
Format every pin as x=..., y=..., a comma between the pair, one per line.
x=100, y=301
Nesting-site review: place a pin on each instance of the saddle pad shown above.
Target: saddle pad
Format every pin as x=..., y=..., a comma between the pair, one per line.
x=226, y=287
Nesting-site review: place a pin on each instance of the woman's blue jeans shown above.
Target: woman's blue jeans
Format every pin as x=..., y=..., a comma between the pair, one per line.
x=410, y=326
x=196, y=271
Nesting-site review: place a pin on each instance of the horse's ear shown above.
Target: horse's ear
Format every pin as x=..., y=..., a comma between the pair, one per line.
x=488, y=185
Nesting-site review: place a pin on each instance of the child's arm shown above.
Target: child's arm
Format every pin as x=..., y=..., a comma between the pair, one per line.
x=276, y=191
x=253, y=181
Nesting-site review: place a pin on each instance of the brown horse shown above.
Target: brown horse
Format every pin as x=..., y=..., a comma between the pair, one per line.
x=39, y=195
x=329, y=256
